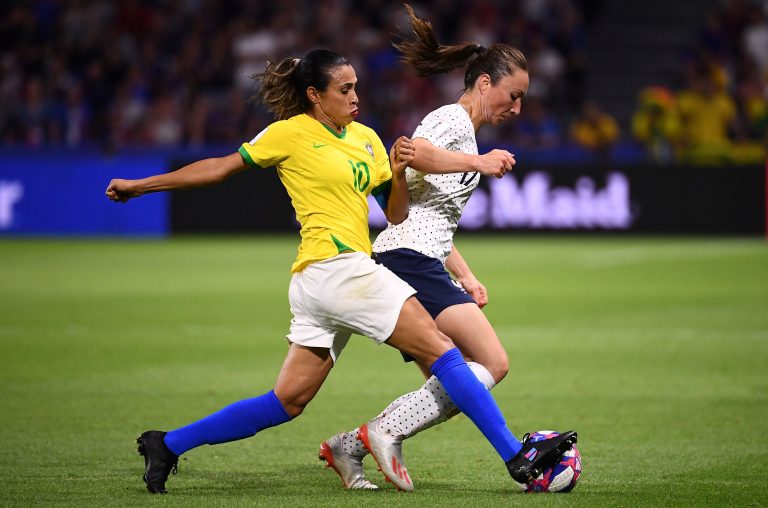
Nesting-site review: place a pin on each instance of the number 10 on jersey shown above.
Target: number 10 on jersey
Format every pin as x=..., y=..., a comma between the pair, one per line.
x=361, y=175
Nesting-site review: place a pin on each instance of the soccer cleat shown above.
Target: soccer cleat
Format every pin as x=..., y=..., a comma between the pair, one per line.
x=159, y=461
x=537, y=456
x=347, y=466
x=386, y=451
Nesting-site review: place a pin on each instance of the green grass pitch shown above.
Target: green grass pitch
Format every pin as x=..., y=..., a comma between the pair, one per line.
x=655, y=350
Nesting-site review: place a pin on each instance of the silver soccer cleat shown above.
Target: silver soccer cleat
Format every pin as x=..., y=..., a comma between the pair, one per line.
x=348, y=467
x=387, y=451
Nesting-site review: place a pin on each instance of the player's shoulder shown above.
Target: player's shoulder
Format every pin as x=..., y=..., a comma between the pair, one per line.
x=448, y=118
x=445, y=125
x=450, y=113
x=277, y=129
x=292, y=124
x=296, y=123
x=361, y=130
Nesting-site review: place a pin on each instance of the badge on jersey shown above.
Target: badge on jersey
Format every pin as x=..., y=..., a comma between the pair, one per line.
x=438, y=128
x=369, y=147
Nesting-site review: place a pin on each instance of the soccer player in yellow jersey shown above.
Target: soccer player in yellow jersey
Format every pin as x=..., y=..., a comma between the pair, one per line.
x=329, y=165
x=328, y=174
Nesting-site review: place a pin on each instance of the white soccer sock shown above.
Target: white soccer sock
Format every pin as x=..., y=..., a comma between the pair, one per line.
x=349, y=442
x=427, y=406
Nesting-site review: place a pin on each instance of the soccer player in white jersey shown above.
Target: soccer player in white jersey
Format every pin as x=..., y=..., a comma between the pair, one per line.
x=441, y=177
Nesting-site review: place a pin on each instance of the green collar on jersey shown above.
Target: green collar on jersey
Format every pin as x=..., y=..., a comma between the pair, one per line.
x=340, y=136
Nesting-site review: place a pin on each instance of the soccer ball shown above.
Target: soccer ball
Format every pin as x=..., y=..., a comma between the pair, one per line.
x=560, y=478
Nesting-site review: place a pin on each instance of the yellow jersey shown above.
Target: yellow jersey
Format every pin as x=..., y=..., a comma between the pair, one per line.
x=328, y=177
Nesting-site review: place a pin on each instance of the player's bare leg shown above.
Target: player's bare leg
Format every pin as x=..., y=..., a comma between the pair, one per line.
x=473, y=334
x=417, y=335
x=303, y=372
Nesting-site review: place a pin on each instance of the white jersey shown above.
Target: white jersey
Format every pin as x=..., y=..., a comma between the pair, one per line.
x=436, y=200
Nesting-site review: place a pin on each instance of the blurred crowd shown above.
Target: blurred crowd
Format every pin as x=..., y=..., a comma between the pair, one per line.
x=177, y=73
x=719, y=112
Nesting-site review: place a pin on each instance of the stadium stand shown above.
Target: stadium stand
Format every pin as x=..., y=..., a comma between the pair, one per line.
x=175, y=73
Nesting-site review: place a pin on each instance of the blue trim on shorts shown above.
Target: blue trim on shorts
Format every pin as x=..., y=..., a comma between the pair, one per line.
x=435, y=289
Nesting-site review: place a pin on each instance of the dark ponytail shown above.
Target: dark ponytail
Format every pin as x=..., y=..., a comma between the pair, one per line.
x=283, y=85
x=425, y=54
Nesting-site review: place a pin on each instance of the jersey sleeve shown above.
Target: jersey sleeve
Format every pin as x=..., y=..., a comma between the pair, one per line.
x=269, y=147
x=436, y=130
x=383, y=179
x=383, y=170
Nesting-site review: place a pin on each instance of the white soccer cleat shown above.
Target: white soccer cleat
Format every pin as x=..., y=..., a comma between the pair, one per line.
x=387, y=452
x=348, y=467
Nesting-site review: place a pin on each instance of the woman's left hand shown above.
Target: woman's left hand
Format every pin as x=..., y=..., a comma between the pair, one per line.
x=476, y=290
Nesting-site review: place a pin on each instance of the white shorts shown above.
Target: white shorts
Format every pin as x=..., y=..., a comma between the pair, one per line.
x=346, y=294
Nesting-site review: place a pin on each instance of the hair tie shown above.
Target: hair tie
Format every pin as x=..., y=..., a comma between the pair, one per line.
x=479, y=48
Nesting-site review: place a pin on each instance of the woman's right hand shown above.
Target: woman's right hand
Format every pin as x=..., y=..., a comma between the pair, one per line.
x=122, y=190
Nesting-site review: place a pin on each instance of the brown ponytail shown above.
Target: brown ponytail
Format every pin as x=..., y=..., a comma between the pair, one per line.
x=425, y=54
x=277, y=90
x=428, y=56
x=283, y=85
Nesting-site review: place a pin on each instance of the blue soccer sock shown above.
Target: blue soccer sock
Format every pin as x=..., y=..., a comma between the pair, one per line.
x=474, y=400
x=236, y=421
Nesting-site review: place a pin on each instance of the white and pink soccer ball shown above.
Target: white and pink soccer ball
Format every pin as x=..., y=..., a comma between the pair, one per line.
x=560, y=478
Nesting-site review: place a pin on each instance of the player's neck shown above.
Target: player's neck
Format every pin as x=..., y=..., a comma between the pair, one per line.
x=326, y=120
x=466, y=101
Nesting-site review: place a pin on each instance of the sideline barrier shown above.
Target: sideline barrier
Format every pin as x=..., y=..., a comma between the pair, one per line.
x=59, y=193
x=62, y=193
x=680, y=200
x=635, y=199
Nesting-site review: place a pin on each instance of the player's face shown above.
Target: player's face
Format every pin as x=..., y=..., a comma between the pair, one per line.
x=504, y=99
x=339, y=100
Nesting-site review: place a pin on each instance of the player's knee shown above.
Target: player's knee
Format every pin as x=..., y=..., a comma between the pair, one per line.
x=497, y=365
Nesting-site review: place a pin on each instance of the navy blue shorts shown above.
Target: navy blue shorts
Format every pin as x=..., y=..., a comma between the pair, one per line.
x=435, y=289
